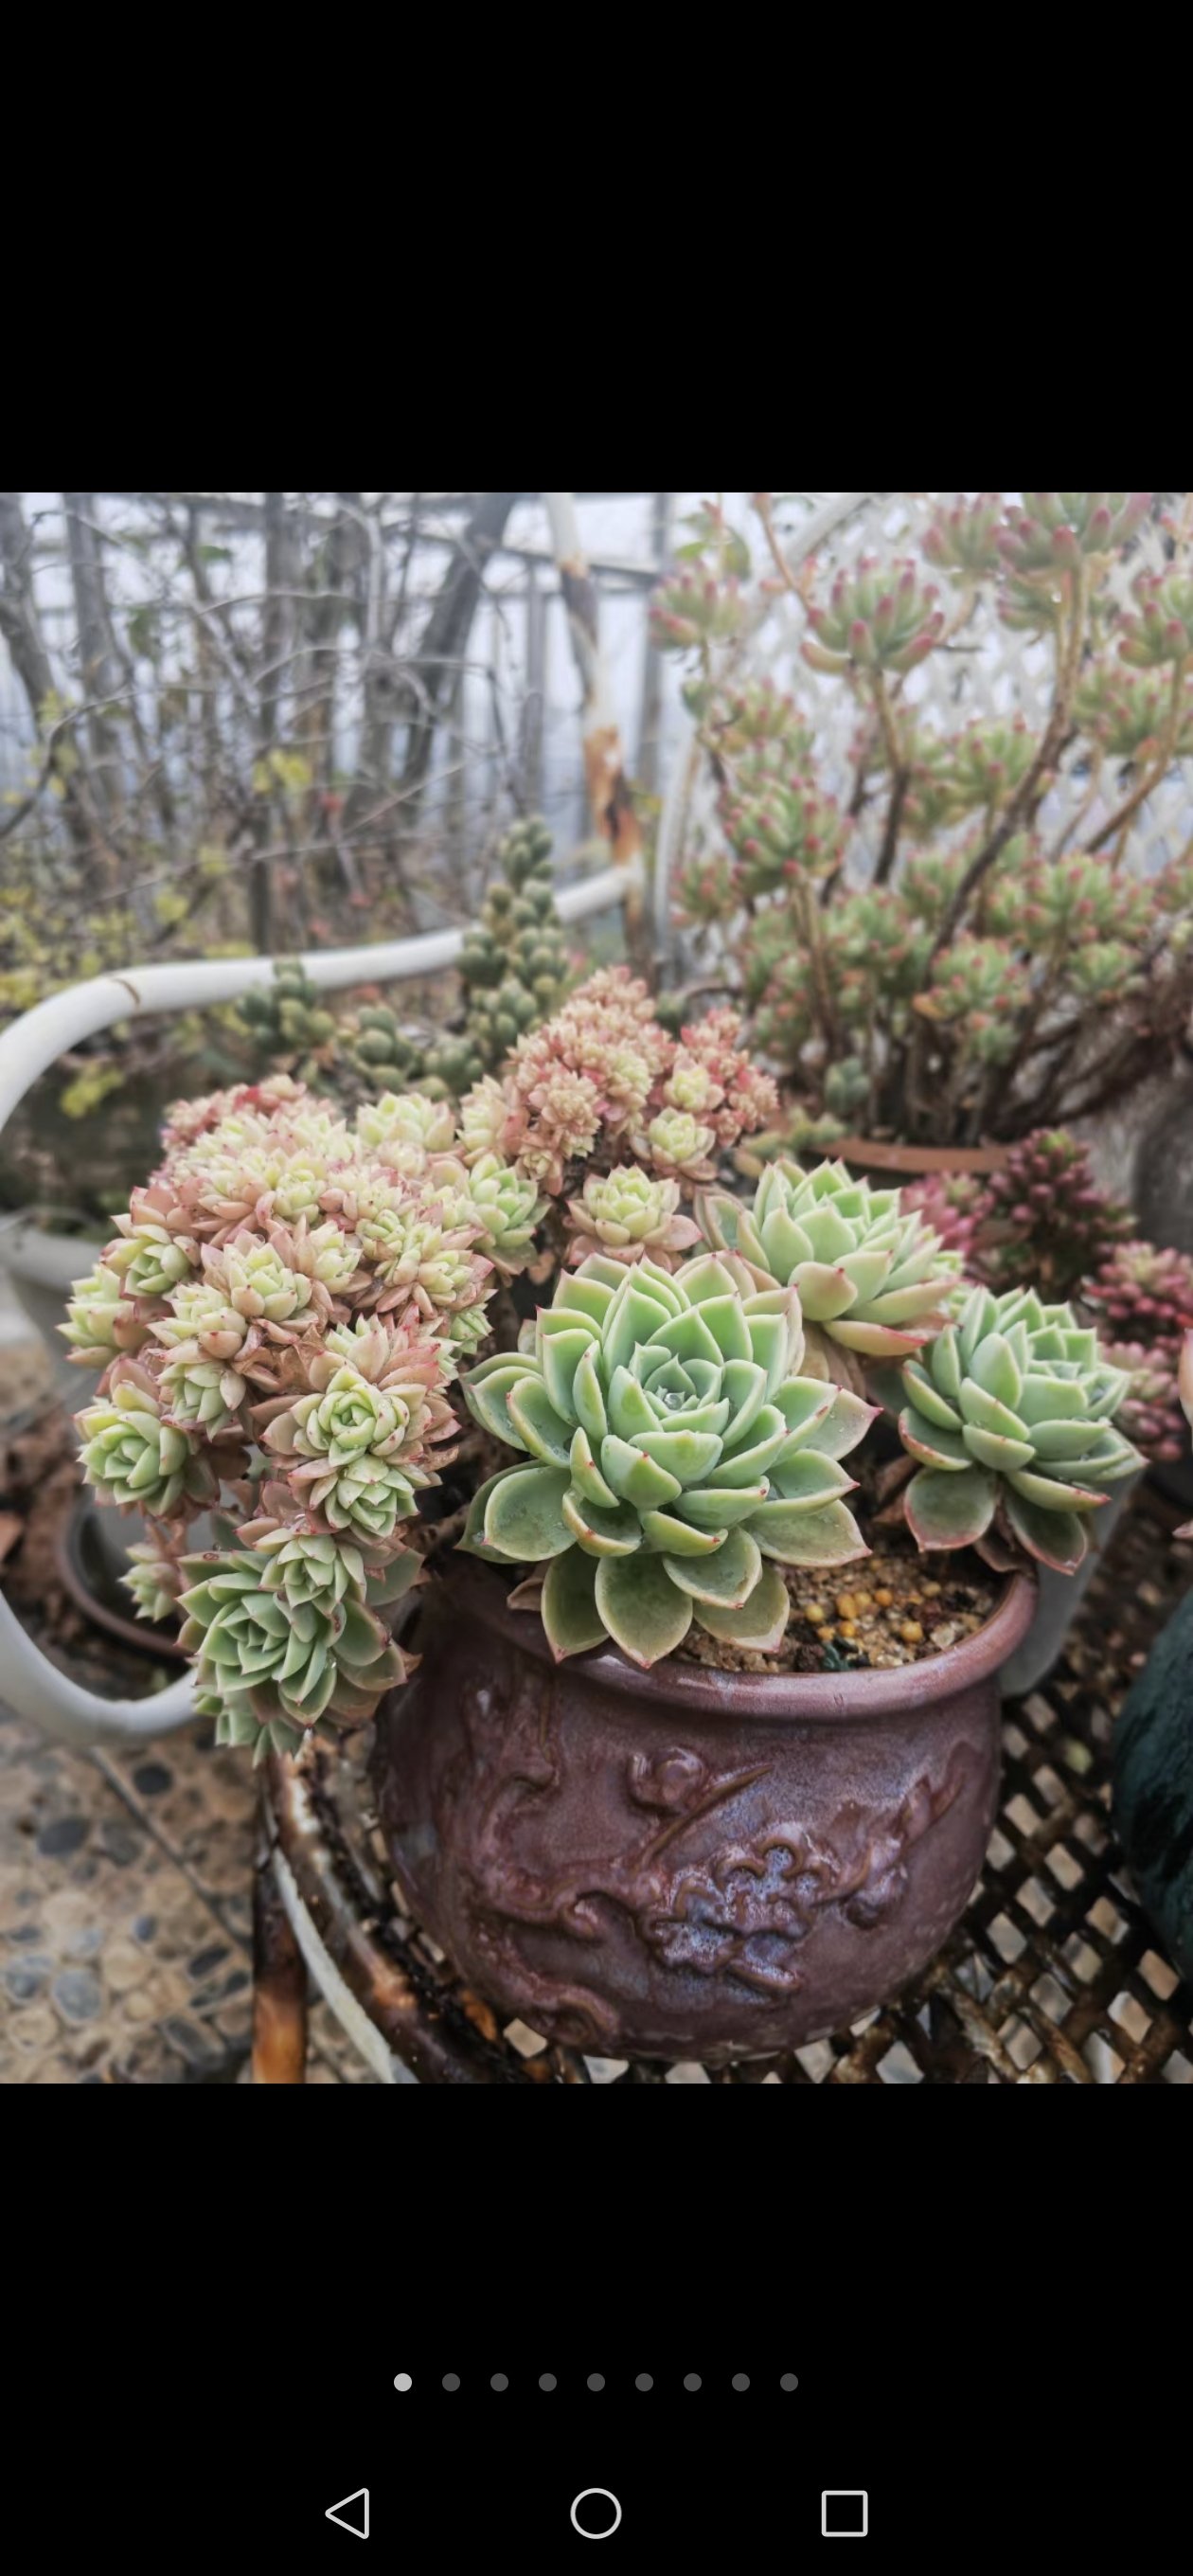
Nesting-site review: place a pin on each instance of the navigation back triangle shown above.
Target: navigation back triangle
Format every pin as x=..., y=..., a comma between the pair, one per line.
x=351, y=2513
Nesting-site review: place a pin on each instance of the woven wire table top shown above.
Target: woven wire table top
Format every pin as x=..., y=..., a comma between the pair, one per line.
x=1053, y=1975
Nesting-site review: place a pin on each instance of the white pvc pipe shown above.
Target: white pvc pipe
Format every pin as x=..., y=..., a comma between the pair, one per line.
x=40, y=1036
x=30, y=1682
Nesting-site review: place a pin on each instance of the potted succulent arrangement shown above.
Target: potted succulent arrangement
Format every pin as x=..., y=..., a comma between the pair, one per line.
x=529, y=1441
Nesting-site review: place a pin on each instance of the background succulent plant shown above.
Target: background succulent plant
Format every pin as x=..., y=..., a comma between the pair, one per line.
x=1141, y=1289
x=1150, y=1414
x=1043, y=1220
x=677, y=1457
x=928, y=929
x=289, y=1027
x=1009, y=1411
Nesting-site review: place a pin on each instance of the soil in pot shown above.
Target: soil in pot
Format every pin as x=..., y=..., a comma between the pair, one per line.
x=692, y=1862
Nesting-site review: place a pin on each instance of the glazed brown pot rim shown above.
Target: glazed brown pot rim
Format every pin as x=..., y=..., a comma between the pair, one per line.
x=779, y=1697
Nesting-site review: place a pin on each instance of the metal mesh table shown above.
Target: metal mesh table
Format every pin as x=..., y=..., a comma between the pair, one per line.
x=1054, y=1975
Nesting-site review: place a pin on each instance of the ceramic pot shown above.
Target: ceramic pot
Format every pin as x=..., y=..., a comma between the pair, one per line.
x=684, y=1863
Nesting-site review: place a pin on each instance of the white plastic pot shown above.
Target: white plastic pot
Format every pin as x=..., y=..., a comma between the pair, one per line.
x=1058, y=1601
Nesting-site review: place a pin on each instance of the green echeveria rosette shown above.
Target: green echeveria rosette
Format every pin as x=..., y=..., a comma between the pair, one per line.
x=509, y=1209
x=678, y=1459
x=278, y=1648
x=102, y=1319
x=872, y=1280
x=1010, y=1411
x=346, y=1451
x=631, y=1216
x=133, y=1457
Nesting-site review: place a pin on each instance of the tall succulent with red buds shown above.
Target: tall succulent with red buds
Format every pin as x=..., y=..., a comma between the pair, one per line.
x=695, y=608
x=1129, y=712
x=1053, y=529
x=1159, y=631
x=962, y=538
x=779, y=824
x=878, y=617
x=736, y=719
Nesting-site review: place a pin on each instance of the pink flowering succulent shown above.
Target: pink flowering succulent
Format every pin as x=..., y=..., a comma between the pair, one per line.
x=630, y=1217
x=603, y=1075
x=294, y=1287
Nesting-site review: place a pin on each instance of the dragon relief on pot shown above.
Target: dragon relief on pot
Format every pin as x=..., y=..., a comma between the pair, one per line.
x=744, y=1909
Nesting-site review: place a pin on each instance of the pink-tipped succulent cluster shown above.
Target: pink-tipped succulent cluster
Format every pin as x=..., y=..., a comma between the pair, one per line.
x=1044, y=1221
x=878, y=617
x=1139, y=1287
x=604, y=1083
x=279, y=1317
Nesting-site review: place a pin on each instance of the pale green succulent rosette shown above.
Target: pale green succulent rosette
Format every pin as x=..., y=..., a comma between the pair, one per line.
x=677, y=1459
x=133, y=1457
x=269, y=1668
x=1010, y=1411
x=872, y=1280
x=347, y=1450
x=509, y=1209
x=288, y=1638
x=102, y=1318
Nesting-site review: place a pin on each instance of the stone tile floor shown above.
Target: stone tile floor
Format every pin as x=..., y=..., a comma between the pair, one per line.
x=125, y=1917
x=126, y=1877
